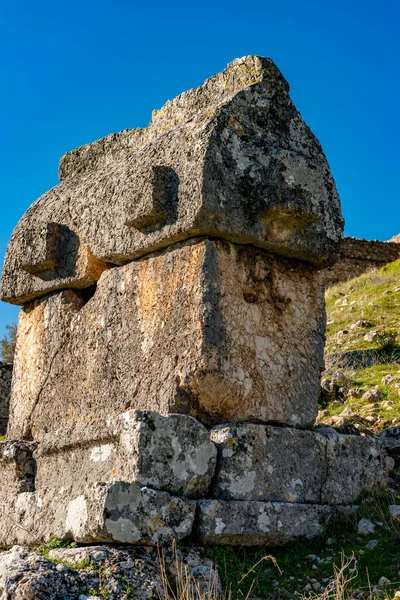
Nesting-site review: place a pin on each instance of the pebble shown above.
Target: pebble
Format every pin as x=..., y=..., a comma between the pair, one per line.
x=317, y=586
x=394, y=510
x=365, y=527
x=375, y=394
x=371, y=545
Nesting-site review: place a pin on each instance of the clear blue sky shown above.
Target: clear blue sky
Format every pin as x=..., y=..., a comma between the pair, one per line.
x=74, y=71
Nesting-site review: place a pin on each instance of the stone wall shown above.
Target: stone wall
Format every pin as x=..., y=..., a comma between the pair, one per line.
x=359, y=256
x=5, y=388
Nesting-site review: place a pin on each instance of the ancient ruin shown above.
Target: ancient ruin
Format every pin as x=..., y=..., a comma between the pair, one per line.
x=171, y=336
x=358, y=256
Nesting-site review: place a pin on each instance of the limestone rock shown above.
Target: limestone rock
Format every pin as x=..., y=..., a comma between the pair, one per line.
x=211, y=329
x=17, y=469
x=354, y=464
x=267, y=463
x=258, y=523
x=171, y=453
x=232, y=159
x=372, y=395
x=365, y=527
x=390, y=440
x=5, y=390
x=394, y=511
x=279, y=464
x=24, y=574
x=115, y=573
x=100, y=512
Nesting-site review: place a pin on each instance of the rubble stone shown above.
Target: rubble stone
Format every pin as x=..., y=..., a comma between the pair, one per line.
x=278, y=464
x=24, y=574
x=232, y=159
x=117, y=573
x=257, y=523
x=200, y=329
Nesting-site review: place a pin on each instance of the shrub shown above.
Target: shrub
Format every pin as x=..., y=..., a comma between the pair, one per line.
x=7, y=344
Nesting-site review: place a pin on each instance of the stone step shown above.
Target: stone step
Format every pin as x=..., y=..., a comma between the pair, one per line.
x=234, y=523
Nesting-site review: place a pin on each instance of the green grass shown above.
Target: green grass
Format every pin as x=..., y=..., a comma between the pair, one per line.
x=55, y=542
x=252, y=571
x=372, y=298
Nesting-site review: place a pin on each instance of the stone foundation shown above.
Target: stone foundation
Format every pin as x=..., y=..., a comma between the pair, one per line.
x=144, y=478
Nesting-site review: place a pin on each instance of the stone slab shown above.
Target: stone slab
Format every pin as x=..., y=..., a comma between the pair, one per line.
x=222, y=332
x=260, y=523
x=281, y=464
x=231, y=159
x=100, y=512
x=172, y=453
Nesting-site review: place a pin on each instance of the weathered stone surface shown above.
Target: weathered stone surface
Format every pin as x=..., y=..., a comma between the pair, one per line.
x=5, y=391
x=258, y=523
x=390, y=439
x=218, y=331
x=51, y=257
x=280, y=464
x=100, y=512
x=231, y=159
x=25, y=574
x=17, y=469
x=171, y=453
x=355, y=463
x=115, y=573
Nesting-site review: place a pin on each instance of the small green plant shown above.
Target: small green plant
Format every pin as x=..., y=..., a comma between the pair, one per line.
x=55, y=542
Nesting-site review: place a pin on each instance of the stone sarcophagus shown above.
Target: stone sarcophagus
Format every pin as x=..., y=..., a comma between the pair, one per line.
x=170, y=341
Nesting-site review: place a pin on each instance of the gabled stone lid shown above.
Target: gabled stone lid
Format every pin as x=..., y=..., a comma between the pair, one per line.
x=230, y=159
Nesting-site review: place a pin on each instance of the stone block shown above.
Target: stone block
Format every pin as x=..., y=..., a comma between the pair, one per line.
x=280, y=464
x=231, y=159
x=99, y=512
x=5, y=391
x=260, y=523
x=266, y=463
x=208, y=328
x=171, y=453
x=354, y=464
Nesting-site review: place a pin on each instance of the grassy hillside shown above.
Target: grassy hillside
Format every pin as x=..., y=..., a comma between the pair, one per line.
x=363, y=342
